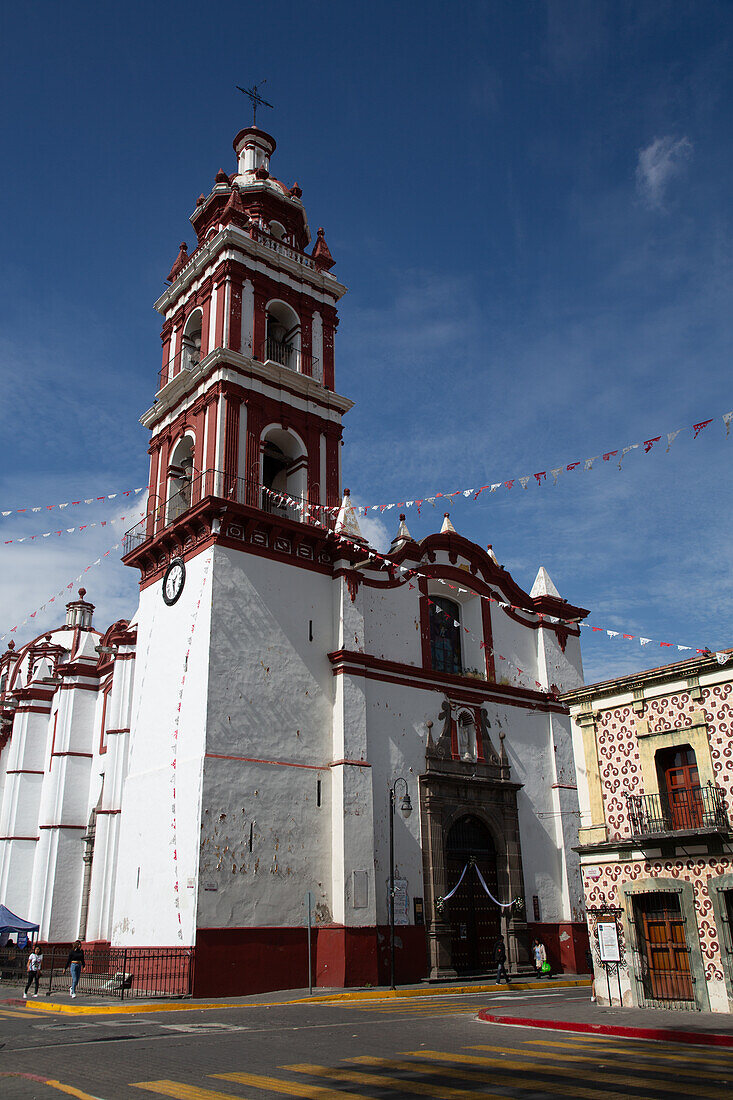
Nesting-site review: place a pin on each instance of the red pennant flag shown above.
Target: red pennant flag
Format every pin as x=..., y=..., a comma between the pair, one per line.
x=668, y=644
x=478, y=494
x=699, y=427
x=509, y=484
x=572, y=465
x=540, y=475
x=627, y=636
x=609, y=455
x=649, y=443
x=598, y=628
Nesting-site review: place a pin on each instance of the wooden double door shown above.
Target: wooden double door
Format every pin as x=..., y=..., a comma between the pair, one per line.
x=666, y=957
x=474, y=918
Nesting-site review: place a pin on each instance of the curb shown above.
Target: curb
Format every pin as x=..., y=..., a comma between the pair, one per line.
x=34, y=1006
x=662, y=1034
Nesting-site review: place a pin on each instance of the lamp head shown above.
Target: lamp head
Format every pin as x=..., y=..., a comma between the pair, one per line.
x=406, y=806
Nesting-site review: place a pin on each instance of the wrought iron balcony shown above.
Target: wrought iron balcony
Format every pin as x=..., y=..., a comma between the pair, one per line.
x=689, y=809
x=277, y=351
x=237, y=490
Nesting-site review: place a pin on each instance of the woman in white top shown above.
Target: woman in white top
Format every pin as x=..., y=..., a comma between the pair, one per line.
x=35, y=962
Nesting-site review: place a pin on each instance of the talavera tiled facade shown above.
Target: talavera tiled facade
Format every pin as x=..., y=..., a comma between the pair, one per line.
x=654, y=761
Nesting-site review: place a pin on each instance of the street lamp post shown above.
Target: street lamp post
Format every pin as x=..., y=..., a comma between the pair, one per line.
x=406, y=808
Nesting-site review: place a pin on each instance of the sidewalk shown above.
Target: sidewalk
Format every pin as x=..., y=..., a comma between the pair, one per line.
x=664, y=1025
x=87, y=1005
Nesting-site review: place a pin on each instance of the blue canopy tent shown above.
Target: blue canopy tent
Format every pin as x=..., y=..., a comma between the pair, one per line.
x=10, y=923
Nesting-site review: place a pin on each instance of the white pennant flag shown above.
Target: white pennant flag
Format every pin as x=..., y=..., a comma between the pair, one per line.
x=556, y=473
x=625, y=451
x=523, y=481
x=671, y=436
x=613, y=633
x=727, y=417
x=645, y=641
x=681, y=647
x=588, y=464
x=723, y=658
x=494, y=487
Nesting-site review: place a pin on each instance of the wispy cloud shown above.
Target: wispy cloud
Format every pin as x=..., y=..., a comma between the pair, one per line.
x=658, y=163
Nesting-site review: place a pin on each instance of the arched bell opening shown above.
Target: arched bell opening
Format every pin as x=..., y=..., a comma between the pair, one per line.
x=284, y=471
x=282, y=344
x=474, y=919
x=191, y=341
x=180, y=479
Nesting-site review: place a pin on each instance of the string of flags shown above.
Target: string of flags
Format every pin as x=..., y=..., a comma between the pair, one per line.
x=71, y=503
x=62, y=592
x=174, y=758
x=309, y=512
x=541, y=476
x=71, y=530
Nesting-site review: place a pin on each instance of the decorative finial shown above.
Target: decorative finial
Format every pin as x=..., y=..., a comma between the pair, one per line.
x=11, y=644
x=321, y=253
x=262, y=173
x=82, y=593
x=201, y=199
x=221, y=177
x=180, y=262
x=295, y=191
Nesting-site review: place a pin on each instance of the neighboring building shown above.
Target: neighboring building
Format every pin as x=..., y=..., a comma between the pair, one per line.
x=234, y=745
x=654, y=761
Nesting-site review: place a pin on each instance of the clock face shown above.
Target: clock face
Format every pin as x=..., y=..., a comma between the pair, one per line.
x=173, y=581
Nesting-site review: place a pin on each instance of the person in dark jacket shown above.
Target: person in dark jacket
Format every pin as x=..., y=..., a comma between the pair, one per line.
x=75, y=963
x=500, y=960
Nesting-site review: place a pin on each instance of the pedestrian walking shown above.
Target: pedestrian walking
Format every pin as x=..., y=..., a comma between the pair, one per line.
x=591, y=971
x=75, y=963
x=35, y=962
x=539, y=956
x=500, y=960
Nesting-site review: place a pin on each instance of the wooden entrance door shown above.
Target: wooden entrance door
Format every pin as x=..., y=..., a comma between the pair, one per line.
x=682, y=784
x=666, y=956
x=474, y=919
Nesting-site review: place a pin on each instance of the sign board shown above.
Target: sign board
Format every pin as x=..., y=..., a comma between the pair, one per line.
x=418, y=910
x=608, y=947
x=593, y=872
x=401, y=914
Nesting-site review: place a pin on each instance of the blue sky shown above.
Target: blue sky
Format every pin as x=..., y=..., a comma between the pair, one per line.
x=530, y=204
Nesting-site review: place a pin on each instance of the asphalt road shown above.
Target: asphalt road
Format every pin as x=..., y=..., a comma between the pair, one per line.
x=430, y=1047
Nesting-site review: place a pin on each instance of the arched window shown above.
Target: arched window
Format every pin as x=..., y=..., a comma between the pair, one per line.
x=284, y=470
x=180, y=479
x=445, y=635
x=283, y=335
x=191, y=341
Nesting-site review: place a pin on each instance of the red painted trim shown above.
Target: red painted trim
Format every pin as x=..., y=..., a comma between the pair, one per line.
x=109, y=812
x=19, y=838
x=85, y=755
x=422, y=585
x=663, y=1034
x=34, y=710
x=23, y=771
x=62, y=826
x=102, y=741
x=221, y=295
x=53, y=737
x=78, y=687
x=118, y=731
x=212, y=413
x=274, y=763
x=231, y=441
x=564, y=787
x=235, y=315
x=488, y=640
x=458, y=688
x=351, y=763
x=124, y=656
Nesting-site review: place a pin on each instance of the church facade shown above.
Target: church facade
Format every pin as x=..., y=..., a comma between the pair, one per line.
x=229, y=757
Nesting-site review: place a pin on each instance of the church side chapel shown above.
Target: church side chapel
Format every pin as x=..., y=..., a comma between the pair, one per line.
x=283, y=696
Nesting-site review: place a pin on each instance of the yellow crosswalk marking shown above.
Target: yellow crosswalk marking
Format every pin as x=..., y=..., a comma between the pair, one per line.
x=402, y=1086
x=681, y=1088
x=180, y=1091
x=290, y=1088
x=627, y=1063
x=703, y=1055
x=564, y=1089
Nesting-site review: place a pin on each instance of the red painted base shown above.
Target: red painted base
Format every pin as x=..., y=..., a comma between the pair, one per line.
x=236, y=961
x=566, y=944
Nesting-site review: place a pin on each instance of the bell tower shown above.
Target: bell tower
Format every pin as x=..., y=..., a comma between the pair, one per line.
x=239, y=577
x=246, y=394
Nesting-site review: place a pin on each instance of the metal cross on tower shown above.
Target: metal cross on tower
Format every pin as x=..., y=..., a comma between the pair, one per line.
x=256, y=99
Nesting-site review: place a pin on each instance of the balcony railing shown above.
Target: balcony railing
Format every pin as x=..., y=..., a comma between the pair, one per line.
x=288, y=356
x=239, y=490
x=282, y=248
x=686, y=809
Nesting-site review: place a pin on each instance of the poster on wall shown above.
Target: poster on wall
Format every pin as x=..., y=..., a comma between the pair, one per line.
x=401, y=914
x=608, y=947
